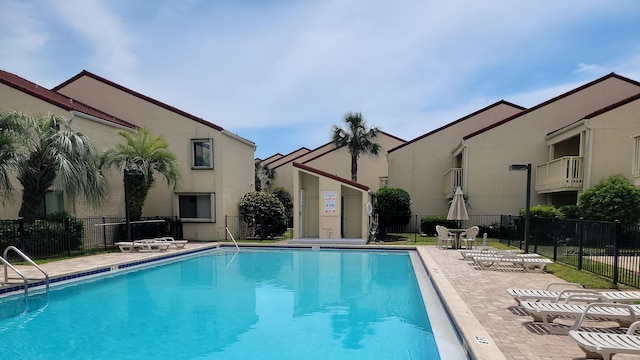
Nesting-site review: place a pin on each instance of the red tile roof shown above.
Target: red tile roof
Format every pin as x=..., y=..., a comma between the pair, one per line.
x=138, y=95
x=330, y=176
x=57, y=99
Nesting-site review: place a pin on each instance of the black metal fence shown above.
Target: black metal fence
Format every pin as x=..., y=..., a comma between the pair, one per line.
x=608, y=249
x=42, y=239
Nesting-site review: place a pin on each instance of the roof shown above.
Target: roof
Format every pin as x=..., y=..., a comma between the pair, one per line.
x=599, y=112
x=613, y=106
x=57, y=99
x=305, y=154
x=501, y=102
x=330, y=176
x=138, y=95
x=559, y=97
x=321, y=154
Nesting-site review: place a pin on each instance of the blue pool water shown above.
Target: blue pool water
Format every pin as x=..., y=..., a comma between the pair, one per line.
x=286, y=304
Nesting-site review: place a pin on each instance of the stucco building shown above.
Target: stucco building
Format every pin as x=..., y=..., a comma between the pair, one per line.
x=216, y=166
x=573, y=141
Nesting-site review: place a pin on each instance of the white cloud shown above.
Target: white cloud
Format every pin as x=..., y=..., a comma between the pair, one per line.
x=409, y=66
x=108, y=36
x=21, y=37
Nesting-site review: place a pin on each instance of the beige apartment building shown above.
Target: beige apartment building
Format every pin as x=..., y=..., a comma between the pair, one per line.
x=418, y=166
x=572, y=141
x=372, y=170
x=308, y=175
x=329, y=207
x=583, y=153
x=216, y=166
x=19, y=94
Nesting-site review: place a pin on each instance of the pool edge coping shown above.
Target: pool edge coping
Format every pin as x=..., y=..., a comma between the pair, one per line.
x=475, y=337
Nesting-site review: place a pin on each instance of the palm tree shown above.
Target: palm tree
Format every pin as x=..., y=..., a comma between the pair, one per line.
x=57, y=156
x=358, y=138
x=264, y=176
x=147, y=154
x=13, y=131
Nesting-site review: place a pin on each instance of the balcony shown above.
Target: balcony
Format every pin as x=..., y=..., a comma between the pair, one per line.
x=563, y=174
x=452, y=179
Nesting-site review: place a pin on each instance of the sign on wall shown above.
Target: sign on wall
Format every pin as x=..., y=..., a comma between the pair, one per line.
x=330, y=202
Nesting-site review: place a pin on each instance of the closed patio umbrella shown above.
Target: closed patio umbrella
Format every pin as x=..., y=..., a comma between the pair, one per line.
x=458, y=209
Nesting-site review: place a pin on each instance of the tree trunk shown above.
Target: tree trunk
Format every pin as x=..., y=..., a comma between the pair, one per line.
x=354, y=168
x=37, y=177
x=138, y=190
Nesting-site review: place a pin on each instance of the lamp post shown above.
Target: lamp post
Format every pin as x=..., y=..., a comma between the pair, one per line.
x=527, y=219
x=127, y=202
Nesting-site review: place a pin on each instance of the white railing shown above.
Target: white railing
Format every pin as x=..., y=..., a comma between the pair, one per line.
x=564, y=173
x=452, y=180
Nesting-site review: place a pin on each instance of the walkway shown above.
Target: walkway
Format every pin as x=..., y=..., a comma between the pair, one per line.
x=484, y=293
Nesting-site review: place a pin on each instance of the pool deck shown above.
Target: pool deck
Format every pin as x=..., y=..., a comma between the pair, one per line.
x=487, y=317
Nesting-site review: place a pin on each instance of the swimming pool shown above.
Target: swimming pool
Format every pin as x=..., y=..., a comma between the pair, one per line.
x=285, y=304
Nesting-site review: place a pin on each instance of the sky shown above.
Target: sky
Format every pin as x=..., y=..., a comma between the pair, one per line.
x=281, y=73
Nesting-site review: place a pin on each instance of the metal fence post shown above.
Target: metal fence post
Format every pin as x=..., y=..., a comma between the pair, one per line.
x=21, y=234
x=555, y=240
x=104, y=233
x=616, y=231
x=67, y=234
x=580, y=225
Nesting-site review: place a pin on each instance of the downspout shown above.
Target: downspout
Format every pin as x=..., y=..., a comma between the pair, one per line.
x=587, y=182
x=465, y=161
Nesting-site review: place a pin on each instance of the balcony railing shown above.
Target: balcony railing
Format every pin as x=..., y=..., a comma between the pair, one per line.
x=561, y=174
x=452, y=179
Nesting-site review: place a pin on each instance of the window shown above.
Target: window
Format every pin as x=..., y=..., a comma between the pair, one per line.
x=197, y=207
x=202, y=153
x=384, y=181
x=53, y=202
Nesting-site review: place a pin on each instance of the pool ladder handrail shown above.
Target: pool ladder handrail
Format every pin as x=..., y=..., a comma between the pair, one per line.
x=24, y=278
x=234, y=240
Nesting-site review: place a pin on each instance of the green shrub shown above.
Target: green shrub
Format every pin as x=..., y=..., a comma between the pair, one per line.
x=264, y=213
x=428, y=224
x=287, y=201
x=57, y=234
x=569, y=211
x=612, y=199
x=545, y=211
x=393, y=207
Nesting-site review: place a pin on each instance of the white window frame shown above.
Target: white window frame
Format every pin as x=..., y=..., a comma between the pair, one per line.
x=202, y=199
x=636, y=157
x=194, y=155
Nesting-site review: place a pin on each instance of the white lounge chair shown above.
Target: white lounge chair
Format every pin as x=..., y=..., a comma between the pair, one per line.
x=546, y=312
x=145, y=244
x=469, y=254
x=468, y=238
x=179, y=244
x=569, y=288
x=604, y=345
x=529, y=262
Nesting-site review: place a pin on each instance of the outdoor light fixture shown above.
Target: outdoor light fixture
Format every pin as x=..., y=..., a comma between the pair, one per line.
x=523, y=167
x=127, y=212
